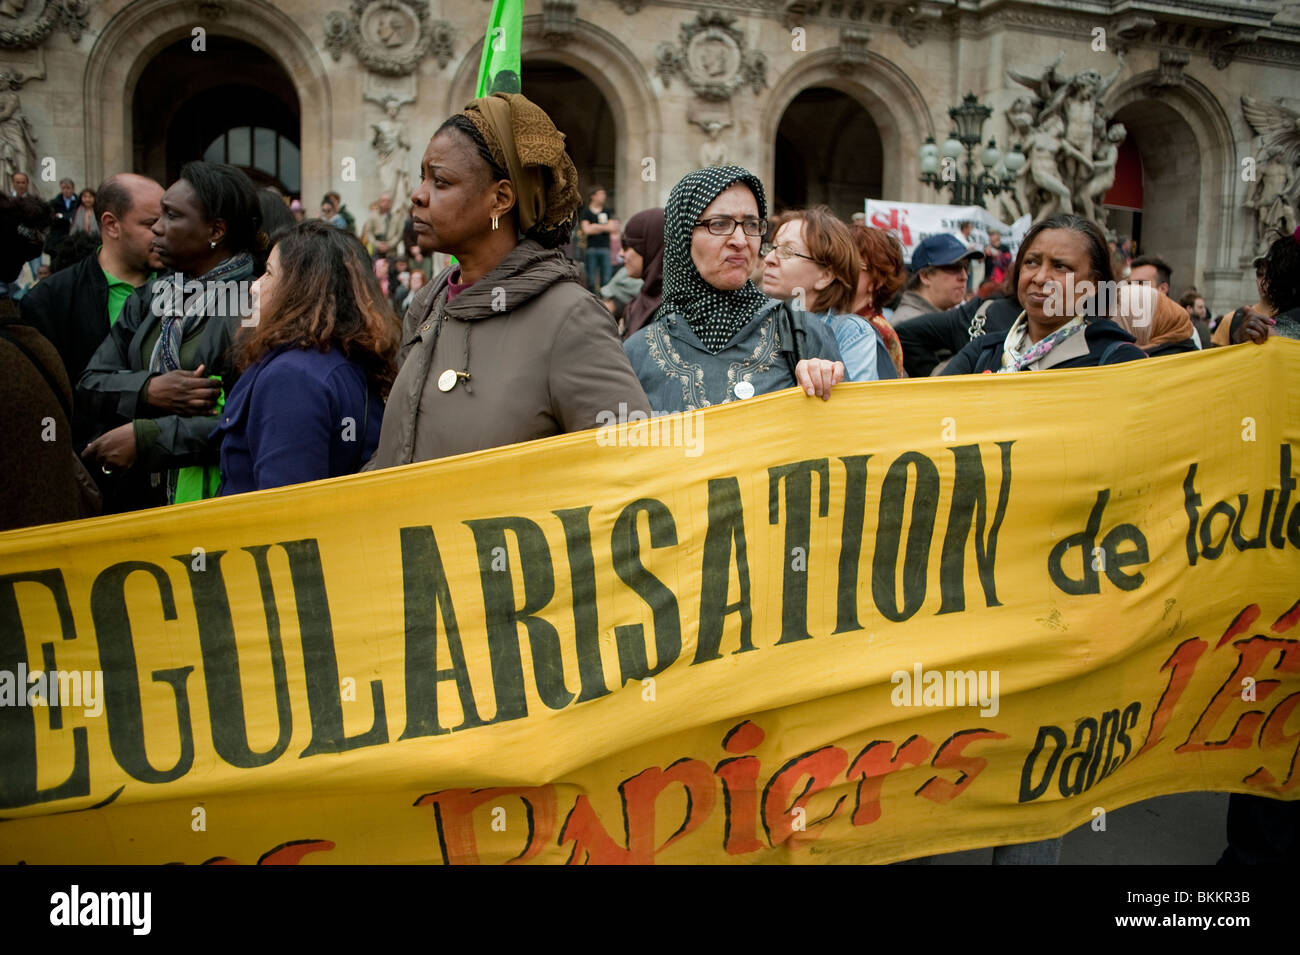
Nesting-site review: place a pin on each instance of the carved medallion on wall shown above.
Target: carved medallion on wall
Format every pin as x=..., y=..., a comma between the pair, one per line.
x=712, y=58
x=25, y=24
x=389, y=36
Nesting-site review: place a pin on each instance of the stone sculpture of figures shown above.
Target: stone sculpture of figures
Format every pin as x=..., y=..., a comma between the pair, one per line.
x=1045, y=145
x=1278, y=175
x=1271, y=201
x=1103, y=174
x=713, y=152
x=394, y=151
x=1066, y=114
x=17, y=139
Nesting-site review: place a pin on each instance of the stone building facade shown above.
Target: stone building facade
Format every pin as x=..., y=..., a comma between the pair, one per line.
x=828, y=100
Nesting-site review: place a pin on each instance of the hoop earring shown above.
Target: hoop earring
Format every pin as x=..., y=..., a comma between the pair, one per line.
x=494, y=222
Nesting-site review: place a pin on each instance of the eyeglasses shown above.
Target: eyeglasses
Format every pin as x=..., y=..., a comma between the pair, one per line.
x=726, y=225
x=783, y=252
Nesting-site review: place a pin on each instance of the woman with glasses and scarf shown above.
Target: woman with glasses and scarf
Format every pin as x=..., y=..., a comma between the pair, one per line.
x=716, y=337
x=813, y=263
x=159, y=379
x=1061, y=276
x=507, y=345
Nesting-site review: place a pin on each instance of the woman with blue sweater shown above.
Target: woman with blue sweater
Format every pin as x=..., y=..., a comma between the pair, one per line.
x=317, y=363
x=813, y=263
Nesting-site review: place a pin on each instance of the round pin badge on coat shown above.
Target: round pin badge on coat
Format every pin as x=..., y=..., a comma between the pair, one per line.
x=447, y=380
x=744, y=389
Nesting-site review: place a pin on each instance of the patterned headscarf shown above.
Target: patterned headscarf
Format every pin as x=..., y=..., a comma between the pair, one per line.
x=524, y=142
x=713, y=314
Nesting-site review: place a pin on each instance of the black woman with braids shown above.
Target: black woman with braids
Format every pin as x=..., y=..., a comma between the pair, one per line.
x=716, y=337
x=507, y=345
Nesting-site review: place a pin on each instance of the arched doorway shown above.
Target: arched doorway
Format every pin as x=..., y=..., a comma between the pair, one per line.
x=828, y=151
x=233, y=104
x=1166, y=219
x=580, y=111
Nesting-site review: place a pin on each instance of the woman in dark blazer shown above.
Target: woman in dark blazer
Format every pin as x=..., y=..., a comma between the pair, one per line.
x=1067, y=292
x=317, y=363
x=156, y=383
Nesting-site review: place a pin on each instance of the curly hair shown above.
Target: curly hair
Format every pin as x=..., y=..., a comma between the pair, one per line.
x=882, y=260
x=326, y=296
x=551, y=238
x=1280, y=285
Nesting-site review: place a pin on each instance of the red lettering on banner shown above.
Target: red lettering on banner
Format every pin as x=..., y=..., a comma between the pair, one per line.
x=896, y=222
x=739, y=777
x=792, y=825
x=453, y=811
x=876, y=762
x=1183, y=662
x=950, y=756
x=1253, y=652
x=591, y=843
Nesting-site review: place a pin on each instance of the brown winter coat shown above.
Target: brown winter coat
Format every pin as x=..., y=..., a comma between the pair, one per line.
x=44, y=480
x=544, y=358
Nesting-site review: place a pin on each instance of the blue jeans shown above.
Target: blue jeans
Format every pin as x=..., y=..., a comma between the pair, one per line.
x=599, y=270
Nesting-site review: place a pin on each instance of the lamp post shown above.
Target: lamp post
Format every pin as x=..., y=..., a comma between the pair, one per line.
x=940, y=164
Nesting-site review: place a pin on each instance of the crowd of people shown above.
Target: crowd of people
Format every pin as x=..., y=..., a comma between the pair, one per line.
x=465, y=323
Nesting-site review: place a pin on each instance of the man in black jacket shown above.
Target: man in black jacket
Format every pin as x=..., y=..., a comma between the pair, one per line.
x=75, y=308
x=62, y=208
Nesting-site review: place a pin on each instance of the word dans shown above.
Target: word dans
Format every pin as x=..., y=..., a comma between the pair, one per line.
x=1088, y=760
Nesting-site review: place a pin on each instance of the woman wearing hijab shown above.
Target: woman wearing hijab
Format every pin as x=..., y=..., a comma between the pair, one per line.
x=507, y=345
x=643, y=256
x=1059, y=255
x=156, y=383
x=314, y=366
x=812, y=255
x=717, y=337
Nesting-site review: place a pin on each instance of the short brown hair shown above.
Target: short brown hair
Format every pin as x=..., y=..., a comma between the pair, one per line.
x=882, y=258
x=831, y=246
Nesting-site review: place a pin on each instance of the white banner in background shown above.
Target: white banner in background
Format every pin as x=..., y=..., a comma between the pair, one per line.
x=913, y=222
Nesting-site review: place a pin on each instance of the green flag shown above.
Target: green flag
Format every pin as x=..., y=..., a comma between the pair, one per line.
x=499, y=70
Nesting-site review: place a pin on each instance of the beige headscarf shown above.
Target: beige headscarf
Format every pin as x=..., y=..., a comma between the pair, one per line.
x=524, y=141
x=1152, y=317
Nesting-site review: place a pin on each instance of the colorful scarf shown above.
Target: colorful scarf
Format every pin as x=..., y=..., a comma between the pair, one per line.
x=1017, y=351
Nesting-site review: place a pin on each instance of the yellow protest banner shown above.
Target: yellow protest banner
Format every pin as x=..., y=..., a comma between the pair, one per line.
x=923, y=616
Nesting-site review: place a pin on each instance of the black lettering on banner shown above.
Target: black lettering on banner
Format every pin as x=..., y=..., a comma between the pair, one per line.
x=586, y=614
x=1212, y=551
x=113, y=632
x=320, y=661
x=925, y=502
x=1284, y=498
x=18, y=785
x=625, y=549
x=726, y=526
x=970, y=504
x=1056, y=736
x=798, y=533
x=855, y=506
x=1191, y=500
x=1078, y=762
x=1115, y=560
x=220, y=652
x=1259, y=540
x=502, y=617
x=426, y=595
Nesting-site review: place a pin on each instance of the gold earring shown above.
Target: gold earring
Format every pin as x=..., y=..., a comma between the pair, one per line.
x=494, y=222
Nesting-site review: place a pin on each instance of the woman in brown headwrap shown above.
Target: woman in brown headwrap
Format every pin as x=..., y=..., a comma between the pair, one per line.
x=643, y=253
x=507, y=345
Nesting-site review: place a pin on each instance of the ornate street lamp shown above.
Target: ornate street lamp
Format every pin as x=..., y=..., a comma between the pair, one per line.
x=940, y=165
